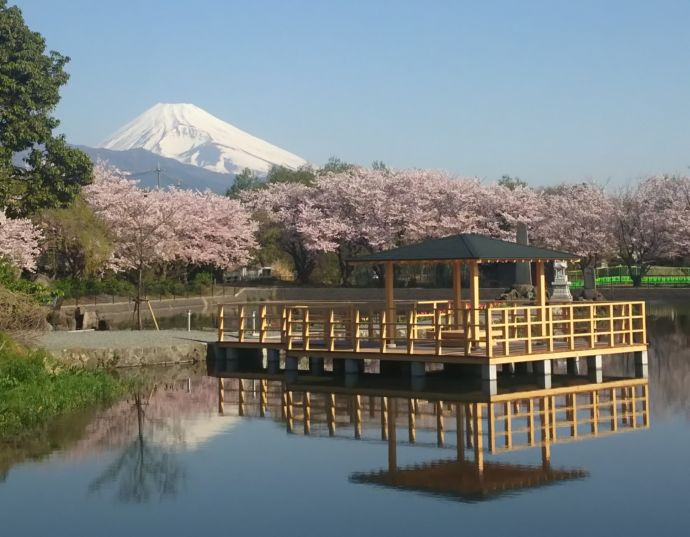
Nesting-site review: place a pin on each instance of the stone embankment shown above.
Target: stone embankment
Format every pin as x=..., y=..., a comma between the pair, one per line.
x=125, y=348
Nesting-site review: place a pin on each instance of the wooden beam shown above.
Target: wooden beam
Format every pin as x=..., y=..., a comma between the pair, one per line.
x=541, y=284
x=474, y=300
x=541, y=298
x=391, y=412
x=390, y=304
x=457, y=294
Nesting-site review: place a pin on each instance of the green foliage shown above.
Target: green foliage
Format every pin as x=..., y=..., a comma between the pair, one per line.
x=76, y=241
x=280, y=174
x=52, y=173
x=335, y=165
x=203, y=279
x=32, y=393
x=511, y=183
x=379, y=165
x=9, y=279
x=110, y=285
x=246, y=180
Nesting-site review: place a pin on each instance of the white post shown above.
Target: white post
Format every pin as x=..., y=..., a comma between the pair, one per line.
x=189, y=320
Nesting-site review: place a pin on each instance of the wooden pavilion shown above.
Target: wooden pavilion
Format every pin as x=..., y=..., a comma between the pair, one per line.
x=458, y=250
x=463, y=331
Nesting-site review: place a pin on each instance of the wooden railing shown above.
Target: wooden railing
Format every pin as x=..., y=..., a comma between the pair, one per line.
x=436, y=327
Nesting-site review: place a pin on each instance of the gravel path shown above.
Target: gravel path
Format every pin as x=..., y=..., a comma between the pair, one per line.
x=122, y=339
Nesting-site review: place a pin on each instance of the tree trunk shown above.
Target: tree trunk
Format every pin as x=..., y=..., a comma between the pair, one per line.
x=140, y=289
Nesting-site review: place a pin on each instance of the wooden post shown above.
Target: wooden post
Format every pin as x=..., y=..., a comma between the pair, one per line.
x=474, y=301
x=306, y=412
x=240, y=326
x=541, y=298
x=384, y=418
x=460, y=431
x=390, y=304
x=221, y=396
x=221, y=322
x=457, y=294
x=263, y=324
x=478, y=438
x=358, y=416
x=330, y=409
x=440, y=429
x=263, y=397
x=153, y=315
x=390, y=416
x=411, y=425
x=240, y=397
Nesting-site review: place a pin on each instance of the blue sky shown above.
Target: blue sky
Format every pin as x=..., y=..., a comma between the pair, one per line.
x=547, y=90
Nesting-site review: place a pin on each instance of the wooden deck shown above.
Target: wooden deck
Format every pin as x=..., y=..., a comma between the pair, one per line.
x=433, y=331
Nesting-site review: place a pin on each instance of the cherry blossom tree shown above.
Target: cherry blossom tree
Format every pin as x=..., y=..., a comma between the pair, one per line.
x=362, y=210
x=289, y=209
x=148, y=228
x=19, y=242
x=647, y=220
x=212, y=230
x=578, y=218
x=505, y=205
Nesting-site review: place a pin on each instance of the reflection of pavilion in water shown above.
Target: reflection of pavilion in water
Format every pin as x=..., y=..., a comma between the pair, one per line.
x=464, y=419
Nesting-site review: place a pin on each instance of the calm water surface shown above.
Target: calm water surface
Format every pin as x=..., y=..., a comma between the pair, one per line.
x=167, y=462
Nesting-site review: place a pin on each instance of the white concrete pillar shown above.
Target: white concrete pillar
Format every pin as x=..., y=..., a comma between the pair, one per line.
x=489, y=379
x=542, y=369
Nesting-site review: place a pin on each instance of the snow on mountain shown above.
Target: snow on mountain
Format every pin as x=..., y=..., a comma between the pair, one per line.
x=190, y=135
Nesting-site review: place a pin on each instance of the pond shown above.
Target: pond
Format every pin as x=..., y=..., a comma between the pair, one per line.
x=190, y=455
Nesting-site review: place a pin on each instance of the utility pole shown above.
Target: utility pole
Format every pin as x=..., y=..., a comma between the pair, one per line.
x=158, y=175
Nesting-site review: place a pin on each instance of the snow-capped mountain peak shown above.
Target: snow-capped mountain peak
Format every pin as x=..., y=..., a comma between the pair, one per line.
x=191, y=135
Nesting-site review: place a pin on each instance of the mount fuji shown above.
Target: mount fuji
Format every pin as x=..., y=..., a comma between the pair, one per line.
x=206, y=148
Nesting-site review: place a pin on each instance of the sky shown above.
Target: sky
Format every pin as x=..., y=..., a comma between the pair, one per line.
x=549, y=91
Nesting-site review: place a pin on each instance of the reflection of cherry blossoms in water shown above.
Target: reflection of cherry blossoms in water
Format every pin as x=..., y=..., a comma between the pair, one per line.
x=142, y=470
x=150, y=428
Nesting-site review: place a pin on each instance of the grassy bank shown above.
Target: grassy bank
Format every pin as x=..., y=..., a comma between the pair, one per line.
x=34, y=390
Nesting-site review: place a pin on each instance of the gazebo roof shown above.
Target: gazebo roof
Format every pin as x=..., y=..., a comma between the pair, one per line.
x=460, y=479
x=464, y=247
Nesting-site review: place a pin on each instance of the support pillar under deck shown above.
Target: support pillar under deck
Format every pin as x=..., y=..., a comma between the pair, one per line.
x=542, y=369
x=573, y=366
x=316, y=366
x=595, y=371
x=489, y=377
x=641, y=364
x=272, y=360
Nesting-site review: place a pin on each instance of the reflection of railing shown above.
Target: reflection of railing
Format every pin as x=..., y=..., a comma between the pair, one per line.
x=436, y=327
x=567, y=414
x=508, y=422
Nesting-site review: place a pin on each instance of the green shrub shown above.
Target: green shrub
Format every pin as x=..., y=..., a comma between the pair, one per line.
x=33, y=390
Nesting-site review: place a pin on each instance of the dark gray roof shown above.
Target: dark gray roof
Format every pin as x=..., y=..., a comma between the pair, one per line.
x=467, y=246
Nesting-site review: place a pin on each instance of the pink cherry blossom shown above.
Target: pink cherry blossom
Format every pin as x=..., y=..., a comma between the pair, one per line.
x=19, y=241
